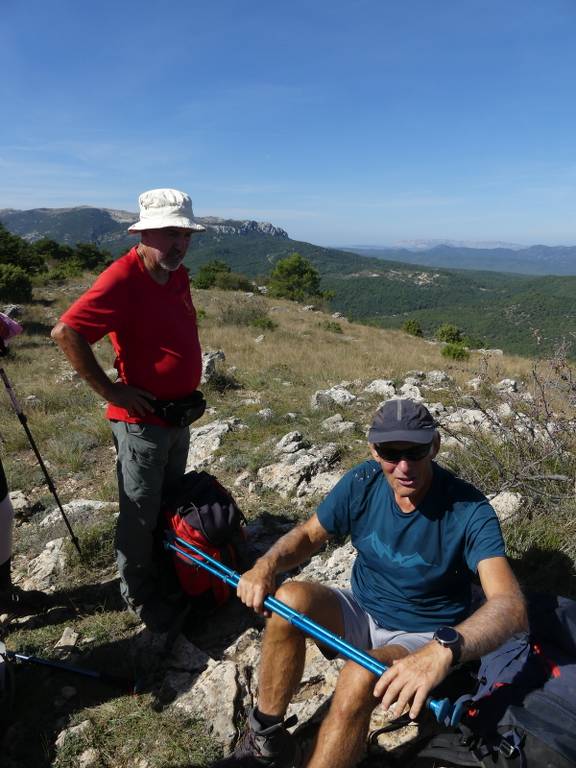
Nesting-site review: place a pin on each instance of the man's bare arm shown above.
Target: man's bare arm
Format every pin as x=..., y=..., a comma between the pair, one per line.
x=84, y=362
x=502, y=615
x=410, y=679
x=294, y=548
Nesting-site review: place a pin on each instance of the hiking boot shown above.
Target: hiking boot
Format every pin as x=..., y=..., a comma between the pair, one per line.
x=259, y=747
x=20, y=602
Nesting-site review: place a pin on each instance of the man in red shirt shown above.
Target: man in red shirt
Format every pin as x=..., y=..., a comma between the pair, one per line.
x=143, y=303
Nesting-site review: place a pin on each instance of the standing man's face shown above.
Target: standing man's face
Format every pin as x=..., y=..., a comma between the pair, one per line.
x=167, y=247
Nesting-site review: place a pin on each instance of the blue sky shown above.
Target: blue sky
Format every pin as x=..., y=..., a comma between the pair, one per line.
x=358, y=122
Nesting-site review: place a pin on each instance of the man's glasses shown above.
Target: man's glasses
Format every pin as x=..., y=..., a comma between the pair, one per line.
x=396, y=455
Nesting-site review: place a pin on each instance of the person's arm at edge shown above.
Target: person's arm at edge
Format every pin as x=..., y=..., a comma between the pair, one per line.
x=82, y=358
x=502, y=615
x=292, y=549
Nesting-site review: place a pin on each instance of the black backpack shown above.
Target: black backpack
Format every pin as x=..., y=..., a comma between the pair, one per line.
x=201, y=511
x=523, y=712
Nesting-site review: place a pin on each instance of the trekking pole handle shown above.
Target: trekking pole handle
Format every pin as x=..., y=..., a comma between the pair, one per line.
x=441, y=708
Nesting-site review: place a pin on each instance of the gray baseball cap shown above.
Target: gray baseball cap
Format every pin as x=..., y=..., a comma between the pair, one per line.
x=402, y=421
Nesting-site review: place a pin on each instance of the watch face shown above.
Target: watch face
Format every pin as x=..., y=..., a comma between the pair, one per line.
x=447, y=635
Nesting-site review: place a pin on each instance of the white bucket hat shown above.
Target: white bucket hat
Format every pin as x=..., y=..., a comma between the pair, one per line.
x=161, y=208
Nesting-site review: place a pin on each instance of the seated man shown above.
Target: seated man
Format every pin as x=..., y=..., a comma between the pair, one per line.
x=420, y=534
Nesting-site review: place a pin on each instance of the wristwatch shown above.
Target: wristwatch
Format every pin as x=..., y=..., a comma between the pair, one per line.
x=450, y=638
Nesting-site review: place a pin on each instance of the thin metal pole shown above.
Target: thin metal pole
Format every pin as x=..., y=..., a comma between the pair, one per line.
x=23, y=420
x=441, y=708
x=53, y=664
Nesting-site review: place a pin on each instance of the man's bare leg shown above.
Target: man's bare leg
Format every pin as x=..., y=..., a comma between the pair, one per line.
x=284, y=646
x=342, y=736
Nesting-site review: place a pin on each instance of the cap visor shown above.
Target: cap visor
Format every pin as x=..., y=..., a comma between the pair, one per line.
x=402, y=436
x=141, y=226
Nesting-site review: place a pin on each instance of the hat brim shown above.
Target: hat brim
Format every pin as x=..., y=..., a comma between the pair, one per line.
x=421, y=436
x=179, y=222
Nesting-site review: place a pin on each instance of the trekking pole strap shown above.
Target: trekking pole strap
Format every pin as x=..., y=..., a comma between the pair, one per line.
x=441, y=708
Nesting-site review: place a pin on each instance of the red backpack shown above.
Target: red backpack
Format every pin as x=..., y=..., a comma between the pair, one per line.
x=201, y=511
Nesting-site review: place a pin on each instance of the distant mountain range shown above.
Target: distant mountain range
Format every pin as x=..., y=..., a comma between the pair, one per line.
x=532, y=260
x=523, y=313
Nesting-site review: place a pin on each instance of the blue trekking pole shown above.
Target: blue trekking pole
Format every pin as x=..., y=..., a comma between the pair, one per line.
x=442, y=709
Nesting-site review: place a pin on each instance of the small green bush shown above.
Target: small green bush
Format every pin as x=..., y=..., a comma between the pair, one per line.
x=412, y=327
x=15, y=285
x=330, y=325
x=449, y=333
x=455, y=352
x=244, y=313
x=265, y=323
x=232, y=281
x=207, y=274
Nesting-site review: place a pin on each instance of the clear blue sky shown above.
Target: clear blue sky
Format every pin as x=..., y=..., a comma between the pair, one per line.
x=366, y=121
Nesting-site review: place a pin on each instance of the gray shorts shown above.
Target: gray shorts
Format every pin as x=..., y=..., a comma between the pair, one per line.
x=362, y=631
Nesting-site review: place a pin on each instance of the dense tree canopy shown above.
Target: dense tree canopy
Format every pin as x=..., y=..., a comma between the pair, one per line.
x=294, y=278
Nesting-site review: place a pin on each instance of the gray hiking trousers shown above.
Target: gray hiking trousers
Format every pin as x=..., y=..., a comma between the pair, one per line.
x=149, y=460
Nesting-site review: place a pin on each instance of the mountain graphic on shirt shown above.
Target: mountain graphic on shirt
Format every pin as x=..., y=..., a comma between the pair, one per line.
x=385, y=551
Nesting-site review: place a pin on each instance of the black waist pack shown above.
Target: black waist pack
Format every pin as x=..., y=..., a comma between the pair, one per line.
x=182, y=412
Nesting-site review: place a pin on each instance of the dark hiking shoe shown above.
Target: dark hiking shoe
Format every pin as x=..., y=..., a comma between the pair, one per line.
x=20, y=602
x=259, y=747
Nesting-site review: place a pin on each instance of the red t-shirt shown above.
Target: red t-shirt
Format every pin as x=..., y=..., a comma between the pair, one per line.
x=152, y=328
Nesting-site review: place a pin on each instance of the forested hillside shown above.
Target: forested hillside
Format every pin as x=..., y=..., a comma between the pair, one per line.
x=522, y=314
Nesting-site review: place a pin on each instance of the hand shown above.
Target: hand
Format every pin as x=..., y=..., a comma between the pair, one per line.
x=135, y=400
x=256, y=584
x=410, y=679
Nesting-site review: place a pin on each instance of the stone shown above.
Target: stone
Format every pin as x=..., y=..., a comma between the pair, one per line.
x=19, y=502
x=411, y=391
x=326, y=398
x=68, y=639
x=209, y=362
x=259, y=339
x=43, y=569
x=337, y=425
x=291, y=442
x=382, y=387
x=205, y=441
x=78, y=510
x=266, y=414
x=507, y=386
x=475, y=384
x=73, y=732
x=435, y=379
x=292, y=469
x=507, y=504
x=88, y=758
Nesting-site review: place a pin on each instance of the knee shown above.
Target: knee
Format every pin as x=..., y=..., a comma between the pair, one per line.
x=353, y=695
x=296, y=595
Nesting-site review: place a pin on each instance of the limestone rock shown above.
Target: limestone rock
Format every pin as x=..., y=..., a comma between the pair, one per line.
x=507, y=386
x=68, y=639
x=382, y=387
x=43, y=569
x=73, y=732
x=297, y=467
x=436, y=379
x=326, y=398
x=209, y=361
x=507, y=504
x=205, y=441
x=78, y=510
x=337, y=425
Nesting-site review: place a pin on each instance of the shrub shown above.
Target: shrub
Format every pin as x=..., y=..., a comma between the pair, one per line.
x=412, y=327
x=232, y=281
x=449, y=333
x=15, y=285
x=455, y=352
x=330, y=325
x=244, y=312
x=265, y=323
x=207, y=274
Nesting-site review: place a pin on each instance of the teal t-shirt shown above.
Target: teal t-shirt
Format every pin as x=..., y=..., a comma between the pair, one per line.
x=413, y=571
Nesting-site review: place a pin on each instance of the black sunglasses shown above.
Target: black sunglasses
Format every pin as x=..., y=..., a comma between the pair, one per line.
x=396, y=455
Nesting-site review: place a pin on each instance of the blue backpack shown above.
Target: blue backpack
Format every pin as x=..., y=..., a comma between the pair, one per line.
x=523, y=711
